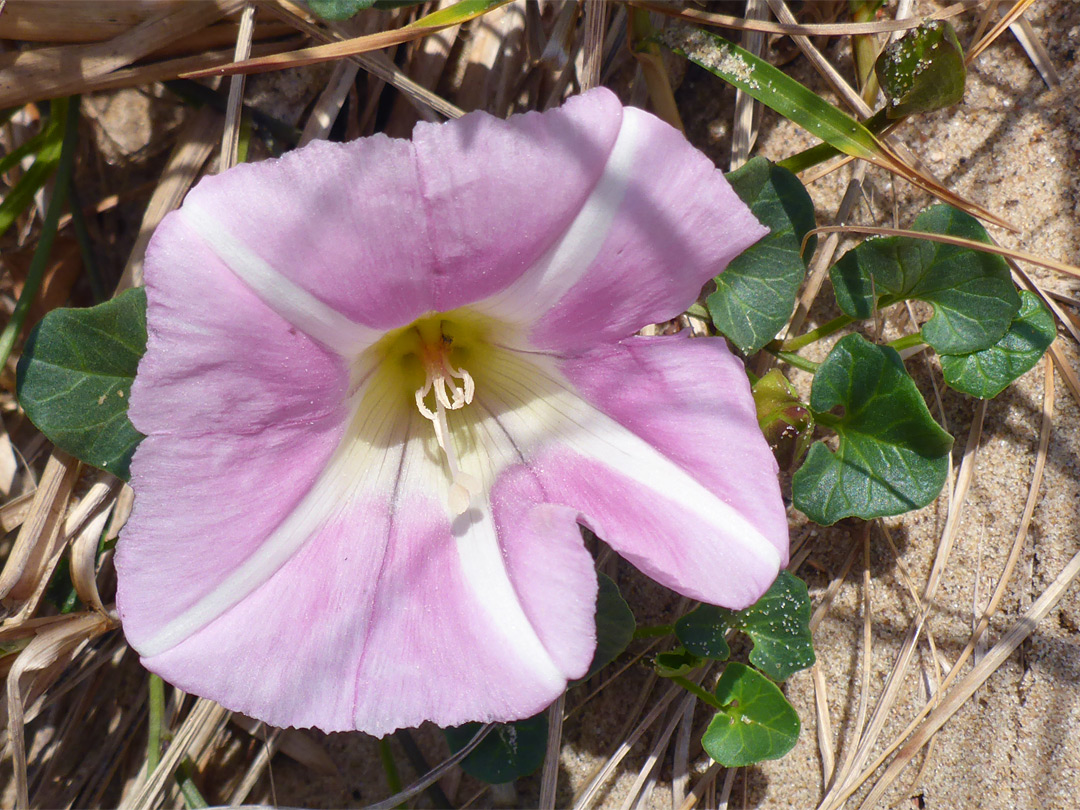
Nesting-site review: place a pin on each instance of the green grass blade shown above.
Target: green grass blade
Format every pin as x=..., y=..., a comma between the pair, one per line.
x=775, y=89
x=66, y=111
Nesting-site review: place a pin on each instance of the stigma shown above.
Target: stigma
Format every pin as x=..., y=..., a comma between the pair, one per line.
x=451, y=389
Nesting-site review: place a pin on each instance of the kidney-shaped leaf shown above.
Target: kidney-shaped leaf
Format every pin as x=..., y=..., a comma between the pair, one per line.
x=755, y=295
x=892, y=456
x=987, y=373
x=778, y=624
x=510, y=751
x=756, y=723
x=75, y=375
x=973, y=296
x=702, y=631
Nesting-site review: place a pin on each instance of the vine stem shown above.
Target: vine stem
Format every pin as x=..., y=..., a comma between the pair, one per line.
x=701, y=694
x=814, y=335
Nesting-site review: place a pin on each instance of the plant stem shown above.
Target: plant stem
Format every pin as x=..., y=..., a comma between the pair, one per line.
x=69, y=108
x=156, y=710
x=386, y=756
x=705, y=697
x=185, y=778
x=906, y=342
x=795, y=360
x=814, y=335
x=654, y=631
x=86, y=247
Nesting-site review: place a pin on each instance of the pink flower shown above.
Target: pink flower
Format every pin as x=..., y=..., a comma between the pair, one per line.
x=385, y=383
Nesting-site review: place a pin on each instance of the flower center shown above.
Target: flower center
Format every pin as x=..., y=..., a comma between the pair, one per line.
x=451, y=389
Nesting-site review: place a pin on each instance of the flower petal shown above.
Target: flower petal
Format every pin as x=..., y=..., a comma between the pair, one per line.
x=696, y=504
x=660, y=221
x=217, y=358
x=499, y=194
x=369, y=606
x=344, y=222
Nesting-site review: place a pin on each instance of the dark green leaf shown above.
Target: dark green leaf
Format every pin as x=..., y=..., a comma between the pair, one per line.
x=923, y=70
x=756, y=293
x=615, y=626
x=510, y=751
x=987, y=373
x=75, y=376
x=702, y=631
x=338, y=9
x=973, y=296
x=677, y=663
x=756, y=724
x=778, y=624
x=892, y=456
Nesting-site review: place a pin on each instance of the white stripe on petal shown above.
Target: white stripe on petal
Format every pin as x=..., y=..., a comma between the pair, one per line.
x=557, y=271
x=485, y=571
x=365, y=465
x=539, y=408
x=293, y=303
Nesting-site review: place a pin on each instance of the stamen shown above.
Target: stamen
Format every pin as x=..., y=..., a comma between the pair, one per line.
x=439, y=377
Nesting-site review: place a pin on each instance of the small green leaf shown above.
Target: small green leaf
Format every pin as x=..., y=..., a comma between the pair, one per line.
x=972, y=293
x=75, y=375
x=757, y=723
x=892, y=456
x=755, y=295
x=923, y=70
x=337, y=10
x=615, y=626
x=778, y=624
x=510, y=751
x=987, y=373
x=676, y=663
x=702, y=631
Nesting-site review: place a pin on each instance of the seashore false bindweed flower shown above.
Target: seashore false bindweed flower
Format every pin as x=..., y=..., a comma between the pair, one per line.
x=384, y=384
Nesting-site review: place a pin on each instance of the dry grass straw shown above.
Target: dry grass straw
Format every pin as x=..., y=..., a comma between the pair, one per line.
x=64, y=70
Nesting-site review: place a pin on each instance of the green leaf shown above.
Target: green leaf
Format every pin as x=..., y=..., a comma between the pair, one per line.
x=892, y=456
x=971, y=291
x=922, y=71
x=676, y=663
x=75, y=376
x=987, y=373
x=338, y=9
x=702, y=631
x=510, y=751
x=757, y=723
x=756, y=293
x=778, y=624
x=615, y=626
